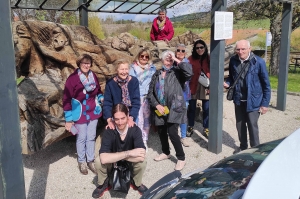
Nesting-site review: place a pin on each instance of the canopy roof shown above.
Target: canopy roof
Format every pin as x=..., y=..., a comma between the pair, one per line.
x=110, y=6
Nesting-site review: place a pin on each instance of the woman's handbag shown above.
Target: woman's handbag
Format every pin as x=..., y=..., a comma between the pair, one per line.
x=120, y=176
x=203, y=80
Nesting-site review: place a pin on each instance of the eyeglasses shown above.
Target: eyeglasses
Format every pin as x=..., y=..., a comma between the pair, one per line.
x=144, y=56
x=178, y=50
x=242, y=49
x=85, y=63
x=200, y=47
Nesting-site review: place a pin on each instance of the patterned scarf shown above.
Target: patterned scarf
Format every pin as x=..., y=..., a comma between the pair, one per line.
x=141, y=74
x=161, y=24
x=124, y=87
x=140, y=65
x=88, y=82
x=166, y=69
x=160, y=87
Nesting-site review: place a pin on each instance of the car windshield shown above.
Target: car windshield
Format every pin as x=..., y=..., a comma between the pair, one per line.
x=228, y=177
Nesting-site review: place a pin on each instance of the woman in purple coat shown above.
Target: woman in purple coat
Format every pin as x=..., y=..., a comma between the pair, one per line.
x=81, y=103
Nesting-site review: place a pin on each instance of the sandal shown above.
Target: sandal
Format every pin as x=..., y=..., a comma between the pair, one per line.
x=161, y=157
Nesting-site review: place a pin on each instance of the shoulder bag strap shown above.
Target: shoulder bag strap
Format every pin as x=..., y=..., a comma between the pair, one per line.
x=238, y=77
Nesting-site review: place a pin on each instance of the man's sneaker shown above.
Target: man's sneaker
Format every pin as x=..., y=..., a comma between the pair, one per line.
x=190, y=131
x=206, y=132
x=83, y=168
x=185, y=142
x=99, y=191
x=141, y=189
x=91, y=166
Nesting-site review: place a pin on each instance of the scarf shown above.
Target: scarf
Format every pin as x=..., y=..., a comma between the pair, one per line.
x=88, y=82
x=124, y=87
x=166, y=69
x=140, y=65
x=141, y=74
x=161, y=24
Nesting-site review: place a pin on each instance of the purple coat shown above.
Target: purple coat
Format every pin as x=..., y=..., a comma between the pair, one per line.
x=79, y=107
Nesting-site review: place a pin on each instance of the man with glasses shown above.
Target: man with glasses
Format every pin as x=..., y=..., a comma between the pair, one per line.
x=252, y=92
x=180, y=54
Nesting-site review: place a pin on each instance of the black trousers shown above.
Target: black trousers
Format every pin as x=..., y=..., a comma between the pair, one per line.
x=246, y=120
x=172, y=130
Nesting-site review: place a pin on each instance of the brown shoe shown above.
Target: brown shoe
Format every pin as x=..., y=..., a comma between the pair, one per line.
x=185, y=142
x=161, y=157
x=91, y=166
x=83, y=168
x=180, y=164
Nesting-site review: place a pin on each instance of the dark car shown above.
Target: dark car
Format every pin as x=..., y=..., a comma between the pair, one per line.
x=227, y=178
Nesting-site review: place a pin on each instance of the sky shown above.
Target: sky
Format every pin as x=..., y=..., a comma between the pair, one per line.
x=192, y=6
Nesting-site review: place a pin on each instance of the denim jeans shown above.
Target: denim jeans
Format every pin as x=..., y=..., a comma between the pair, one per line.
x=192, y=112
x=183, y=126
x=85, y=141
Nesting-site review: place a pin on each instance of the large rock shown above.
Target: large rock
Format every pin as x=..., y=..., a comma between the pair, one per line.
x=45, y=55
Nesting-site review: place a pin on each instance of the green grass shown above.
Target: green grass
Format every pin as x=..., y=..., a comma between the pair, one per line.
x=252, y=24
x=19, y=80
x=293, y=84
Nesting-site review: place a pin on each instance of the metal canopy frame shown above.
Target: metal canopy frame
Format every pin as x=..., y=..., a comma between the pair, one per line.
x=106, y=6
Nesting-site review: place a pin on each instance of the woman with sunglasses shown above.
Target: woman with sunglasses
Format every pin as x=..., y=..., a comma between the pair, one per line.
x=122, y=88
x=200, y=62
x=81, y=104
x=166, y=98
x=143, y=69
x=180, y=55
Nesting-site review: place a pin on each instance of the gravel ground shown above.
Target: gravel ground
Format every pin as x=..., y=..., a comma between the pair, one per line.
x=53, y=172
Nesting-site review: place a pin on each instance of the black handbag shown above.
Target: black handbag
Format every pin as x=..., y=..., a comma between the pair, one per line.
x=120, y=176
x=121, y=172
x=229, y=95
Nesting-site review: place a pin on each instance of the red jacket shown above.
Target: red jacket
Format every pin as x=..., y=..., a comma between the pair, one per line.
x=166, y=33
x=197, y=67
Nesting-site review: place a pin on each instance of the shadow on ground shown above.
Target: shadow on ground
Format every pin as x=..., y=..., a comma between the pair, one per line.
x=40, y=162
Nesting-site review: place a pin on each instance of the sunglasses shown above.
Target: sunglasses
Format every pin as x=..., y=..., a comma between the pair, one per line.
x=201, y=47
x=144, y=56
x=178, y=50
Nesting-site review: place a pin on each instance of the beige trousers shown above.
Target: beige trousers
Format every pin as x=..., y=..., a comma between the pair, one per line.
x=137, y=173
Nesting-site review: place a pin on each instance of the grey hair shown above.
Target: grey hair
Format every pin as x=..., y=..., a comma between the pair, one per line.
x=248, y=43
x=162, y=10
x=166, y=53
x=181, y=45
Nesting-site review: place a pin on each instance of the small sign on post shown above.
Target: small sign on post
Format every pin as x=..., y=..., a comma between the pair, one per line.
x=268, y=43
x=223, y=25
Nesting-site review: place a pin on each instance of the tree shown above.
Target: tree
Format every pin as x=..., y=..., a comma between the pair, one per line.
x=271, y=9
x=95, y=25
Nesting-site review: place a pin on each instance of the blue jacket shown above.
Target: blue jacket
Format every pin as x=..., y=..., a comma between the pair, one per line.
x=113, y=96
x=257, y=82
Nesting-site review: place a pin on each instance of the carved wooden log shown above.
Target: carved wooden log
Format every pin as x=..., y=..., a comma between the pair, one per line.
x=45, y=54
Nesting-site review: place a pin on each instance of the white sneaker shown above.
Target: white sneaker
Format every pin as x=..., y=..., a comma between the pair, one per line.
x=145, y=143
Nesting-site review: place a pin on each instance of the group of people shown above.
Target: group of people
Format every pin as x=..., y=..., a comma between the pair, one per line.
x=141, y=96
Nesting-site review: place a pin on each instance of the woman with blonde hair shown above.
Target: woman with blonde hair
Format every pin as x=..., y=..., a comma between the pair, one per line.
x=122, y=88
x=143, y=69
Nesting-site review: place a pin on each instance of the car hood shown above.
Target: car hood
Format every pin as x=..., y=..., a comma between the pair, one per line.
x=227, y=178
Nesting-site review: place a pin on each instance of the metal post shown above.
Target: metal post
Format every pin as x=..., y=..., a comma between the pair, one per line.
x=11, y=166
x=83, y=13
x=287, y=14
x=217, y=51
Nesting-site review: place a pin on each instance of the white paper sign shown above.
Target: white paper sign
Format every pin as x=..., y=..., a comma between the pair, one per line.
x=223, y=25
x=268, y=39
